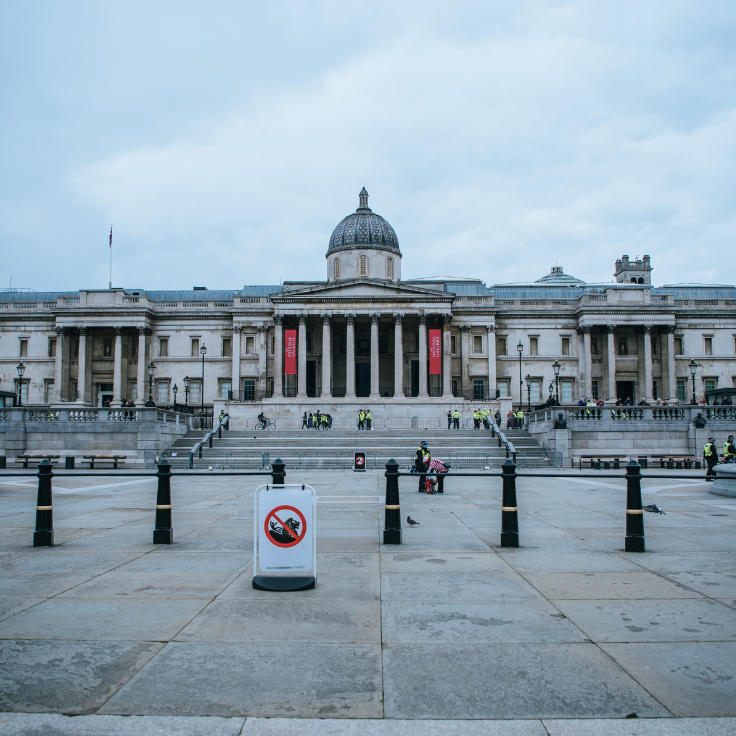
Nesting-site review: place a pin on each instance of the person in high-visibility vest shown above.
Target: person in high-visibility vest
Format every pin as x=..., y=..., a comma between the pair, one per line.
x=361, y=419
x=729, y=450
x=710, y=454
x=520, y=417
x=368, y=419
x=476, y=419
x=456, y=419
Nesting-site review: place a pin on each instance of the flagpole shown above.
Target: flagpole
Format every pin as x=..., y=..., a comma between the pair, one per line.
x=109, y=286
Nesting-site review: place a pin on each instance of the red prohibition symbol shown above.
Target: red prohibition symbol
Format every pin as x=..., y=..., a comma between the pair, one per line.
x=283, y=528
x=359, y=460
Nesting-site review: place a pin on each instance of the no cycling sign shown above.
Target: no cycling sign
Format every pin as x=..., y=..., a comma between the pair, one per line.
x=285, y=540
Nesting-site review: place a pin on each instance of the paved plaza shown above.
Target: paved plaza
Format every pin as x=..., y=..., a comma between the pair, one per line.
x=448, y=626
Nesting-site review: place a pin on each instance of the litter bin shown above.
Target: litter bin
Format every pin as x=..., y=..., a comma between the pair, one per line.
x=69, y=463
x=643, y=461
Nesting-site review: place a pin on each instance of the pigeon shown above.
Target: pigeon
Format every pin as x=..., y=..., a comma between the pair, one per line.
x=411, y=521
x=653, y=509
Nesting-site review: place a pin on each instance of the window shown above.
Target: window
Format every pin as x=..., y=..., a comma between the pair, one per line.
x=655, y=347
x=107, y=349
x=453, y=344
x=363, y=261
x=75, y=347
x=250, y=345
x=477, y=344
x=565, y=392
x=309, y=341
x=163, y=347
x=708, y=345
x=227, y=347
x=565, y=346
x=535, y=392
x=195, y=347
x=681, y=390
x=678, y=346
x=133, y=348
x=52, y=347
x=655, y=395
x=195, y=392
x=501, y=345
x=595, y=390
x=273, y=344
x=479, y=389
x=337, y=268
x=24, y=349
x=594, y=346
x=225, y=388
x=249, y=390
x=75, y=395
x=623, y=348
x=48, y=392
x=503, y=389
x=389, y=268
x=162, y=393
x=533, y=346
x=133, y=390
x=23, y=391
x=710, y=384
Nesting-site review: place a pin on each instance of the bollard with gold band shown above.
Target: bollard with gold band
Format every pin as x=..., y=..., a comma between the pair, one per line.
x=509, y=510
x=392, y=524
x=44, y=534
x=634, y=513
x=163, y=532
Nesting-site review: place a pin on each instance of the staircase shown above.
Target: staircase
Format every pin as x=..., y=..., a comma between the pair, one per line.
x=336, y=448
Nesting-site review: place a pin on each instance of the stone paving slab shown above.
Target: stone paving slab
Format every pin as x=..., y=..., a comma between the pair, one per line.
x=450, y=562
x=467, y=586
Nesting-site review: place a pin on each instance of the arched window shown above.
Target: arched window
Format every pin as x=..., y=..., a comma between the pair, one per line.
x=633, y=280
x=389, y=268
x=337, y=269
x=363, y=261
x=641, y=280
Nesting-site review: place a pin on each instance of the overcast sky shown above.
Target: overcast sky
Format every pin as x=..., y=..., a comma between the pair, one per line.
x=225, y=140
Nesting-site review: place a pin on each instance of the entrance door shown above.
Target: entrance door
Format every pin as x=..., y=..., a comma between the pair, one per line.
x=415, y=378
x=625, y=390
x=105, y=394
x=311, y=378
x=362, y=379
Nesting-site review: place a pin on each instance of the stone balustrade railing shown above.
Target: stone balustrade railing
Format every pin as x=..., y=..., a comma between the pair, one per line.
x=619, y=414
x=66, y=414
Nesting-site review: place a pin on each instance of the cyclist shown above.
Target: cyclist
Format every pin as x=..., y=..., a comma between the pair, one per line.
x=263, y=420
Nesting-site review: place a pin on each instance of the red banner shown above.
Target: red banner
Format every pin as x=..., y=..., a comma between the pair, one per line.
x=290, y=359
x=435, y=352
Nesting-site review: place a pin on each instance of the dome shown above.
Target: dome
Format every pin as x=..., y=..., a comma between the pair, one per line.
x=363, y=229
x=558, y=276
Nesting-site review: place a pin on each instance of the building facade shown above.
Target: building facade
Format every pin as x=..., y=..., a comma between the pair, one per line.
x=362, y=338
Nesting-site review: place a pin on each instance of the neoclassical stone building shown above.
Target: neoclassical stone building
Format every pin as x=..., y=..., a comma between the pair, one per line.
x=362, y=338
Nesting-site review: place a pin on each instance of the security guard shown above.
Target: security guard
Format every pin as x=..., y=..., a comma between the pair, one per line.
x=456, y=419
x=520, y=418
x=710, y=453
x=421, y=463
x=476, y=419
x=361, y=420
x=368, y=418
x=729, y=450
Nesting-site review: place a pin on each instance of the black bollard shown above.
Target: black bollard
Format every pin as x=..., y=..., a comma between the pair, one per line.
x=392, y=524
x=210, y=440
x=634, y=512
x=509, y=510
x=44, y=534
x=163, y=532
x=278, y=472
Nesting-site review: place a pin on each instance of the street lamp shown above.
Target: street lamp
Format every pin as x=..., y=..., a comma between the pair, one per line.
x=528, y=392
x=151, y=374
x=203, y=351
x=693, y=366
x=520, y=348
x=556, y=366
x=175, y=389
x=186, y=390
x=21, y=370
x=551, y=388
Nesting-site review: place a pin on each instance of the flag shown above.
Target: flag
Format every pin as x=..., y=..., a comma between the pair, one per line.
x=435, y=352
x=290, y=362
x=111, y=236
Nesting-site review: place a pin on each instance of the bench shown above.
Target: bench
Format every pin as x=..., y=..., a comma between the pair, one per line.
x=25, y=459
x=114, y=459
x=597, y=462
x=677, y=462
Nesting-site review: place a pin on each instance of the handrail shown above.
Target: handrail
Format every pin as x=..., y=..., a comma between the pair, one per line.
x=207, y=438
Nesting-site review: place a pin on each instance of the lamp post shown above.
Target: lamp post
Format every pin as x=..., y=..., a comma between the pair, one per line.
x=551, y=388
x=21, y=370
x=203, y=351
x=528, y=392
x=520, y=348
x=186, y=390
x=693, y=366
x=151, y=374
x=175, y=389
x=556, y=367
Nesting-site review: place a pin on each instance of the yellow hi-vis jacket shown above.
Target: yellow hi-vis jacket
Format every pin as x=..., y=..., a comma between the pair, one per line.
x=456, y=415
x=710, y=450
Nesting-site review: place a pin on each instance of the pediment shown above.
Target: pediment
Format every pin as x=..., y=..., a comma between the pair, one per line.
x=361, y=289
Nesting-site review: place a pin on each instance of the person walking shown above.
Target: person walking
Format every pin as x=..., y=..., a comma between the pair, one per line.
x=368, y=418
x=310, y=421
x=323, y=422
x=449, y=419
x=497, y=417
x=710, y=454
x=304, y=421
x=456, y=419
x=729, y=450
x=421, y=463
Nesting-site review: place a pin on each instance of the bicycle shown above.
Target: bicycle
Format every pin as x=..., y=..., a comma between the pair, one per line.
x=268, y=424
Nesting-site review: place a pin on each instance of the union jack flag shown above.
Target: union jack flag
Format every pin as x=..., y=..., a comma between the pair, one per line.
x=111, y=236
x=437, y=466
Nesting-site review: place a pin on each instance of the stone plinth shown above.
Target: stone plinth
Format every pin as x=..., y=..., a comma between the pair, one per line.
x=725, y=483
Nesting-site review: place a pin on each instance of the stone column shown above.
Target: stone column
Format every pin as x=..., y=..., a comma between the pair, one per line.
x=398, y=355
x=648, y=383
x=117, y=376
x=141, y=377
x=58, y=364
x=423, y=355
x=588, y=363
x=301, y=358
x=236, y=362
x=465, y=359
x=671, y=373
x=82, y=366
x=326, y=356
x=611, y=354
x=375, y=390
x=491, y=362
x=278, y=356
x=350, y=357
x=447, y=356
x=262, y=377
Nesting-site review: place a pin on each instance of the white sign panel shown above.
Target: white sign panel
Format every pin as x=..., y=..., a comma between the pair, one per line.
x=285, y=539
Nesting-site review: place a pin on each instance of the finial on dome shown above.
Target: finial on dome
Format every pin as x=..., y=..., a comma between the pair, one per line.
x=363, y=200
